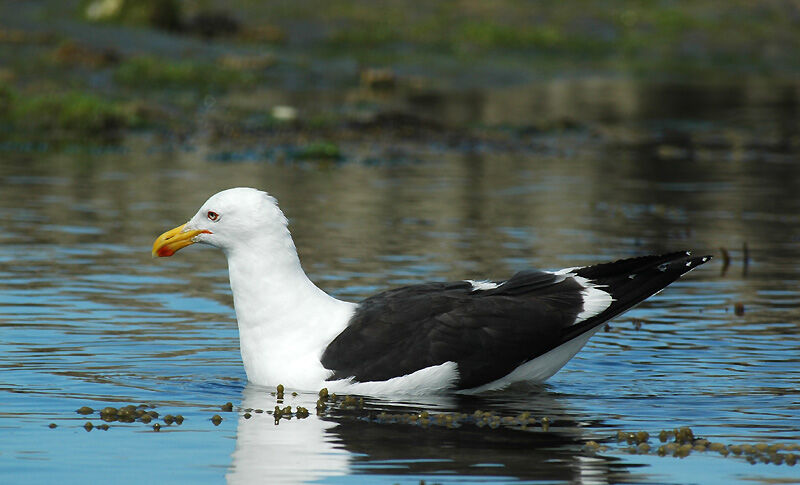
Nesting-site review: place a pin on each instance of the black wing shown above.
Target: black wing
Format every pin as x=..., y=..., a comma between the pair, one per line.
x=487, y=333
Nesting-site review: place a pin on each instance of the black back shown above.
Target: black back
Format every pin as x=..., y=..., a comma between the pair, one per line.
x=487, y=333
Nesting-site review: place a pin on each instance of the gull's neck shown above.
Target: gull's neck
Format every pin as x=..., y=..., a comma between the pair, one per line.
x=285, y=321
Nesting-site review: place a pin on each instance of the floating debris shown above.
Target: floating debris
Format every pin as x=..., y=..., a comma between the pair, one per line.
x=351, y=402
x=227, y=407
x=683, y=435
x=52, y=425
x=286, y=413
x=685, y=443
x=127, y=414
x=633, y=438
x=108, y=414
x=679, y=442
x=280, y=391
x=738, y=309
x=593, y=446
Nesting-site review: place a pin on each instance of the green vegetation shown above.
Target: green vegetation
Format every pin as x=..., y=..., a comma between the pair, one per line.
x=61, y=84
x=318, y=151
x=639, y=36
x=75, y=111
x=152, y=72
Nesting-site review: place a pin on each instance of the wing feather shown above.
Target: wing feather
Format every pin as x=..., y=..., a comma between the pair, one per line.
x=487, y=333
x=490, y=332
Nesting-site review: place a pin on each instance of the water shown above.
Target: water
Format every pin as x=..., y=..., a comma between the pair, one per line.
x=89, y=319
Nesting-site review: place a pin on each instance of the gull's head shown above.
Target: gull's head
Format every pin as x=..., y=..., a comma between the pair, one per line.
x=227, y=220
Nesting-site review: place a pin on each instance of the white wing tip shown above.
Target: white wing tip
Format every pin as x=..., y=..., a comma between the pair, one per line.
x=595, y=300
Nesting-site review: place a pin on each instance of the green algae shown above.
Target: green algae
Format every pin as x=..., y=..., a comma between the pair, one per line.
x=680, y=442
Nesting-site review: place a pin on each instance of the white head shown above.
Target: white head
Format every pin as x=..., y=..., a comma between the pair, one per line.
x=231, y=220
x=284, y=319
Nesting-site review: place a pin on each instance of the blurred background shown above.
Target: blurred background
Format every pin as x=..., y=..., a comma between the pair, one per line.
x=406, y=141
x=699, y=95
x=349, y=80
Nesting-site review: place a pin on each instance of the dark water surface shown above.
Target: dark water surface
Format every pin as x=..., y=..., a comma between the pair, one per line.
x=87, y=318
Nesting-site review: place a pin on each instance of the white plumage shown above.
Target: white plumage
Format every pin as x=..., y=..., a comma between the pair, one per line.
x=286, y=322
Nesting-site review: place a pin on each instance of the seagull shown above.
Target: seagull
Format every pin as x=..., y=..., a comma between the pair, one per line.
x=460, y=336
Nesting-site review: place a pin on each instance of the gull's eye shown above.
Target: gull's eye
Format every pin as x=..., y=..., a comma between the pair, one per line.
x=212, y=216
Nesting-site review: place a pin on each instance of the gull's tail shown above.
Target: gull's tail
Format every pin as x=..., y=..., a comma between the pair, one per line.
x=630, y=281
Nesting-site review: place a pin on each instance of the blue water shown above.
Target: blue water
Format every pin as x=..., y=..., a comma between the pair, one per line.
x=88, y=318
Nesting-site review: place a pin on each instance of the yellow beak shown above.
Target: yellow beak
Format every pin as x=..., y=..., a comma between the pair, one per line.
x=173, y=240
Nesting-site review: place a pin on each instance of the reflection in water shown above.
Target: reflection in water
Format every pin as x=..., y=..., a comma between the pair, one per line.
x=296, y=451
x=87, y=318
x=358, y=442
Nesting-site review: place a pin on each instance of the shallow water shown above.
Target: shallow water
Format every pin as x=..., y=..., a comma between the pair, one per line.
x=89, y=319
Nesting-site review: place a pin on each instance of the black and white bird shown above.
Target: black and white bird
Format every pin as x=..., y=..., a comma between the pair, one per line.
x=464, y=336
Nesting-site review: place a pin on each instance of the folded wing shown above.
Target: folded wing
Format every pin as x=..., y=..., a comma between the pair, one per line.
x=489, y=329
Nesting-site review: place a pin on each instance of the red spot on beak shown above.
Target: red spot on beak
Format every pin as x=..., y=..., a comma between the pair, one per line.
x=164, y=252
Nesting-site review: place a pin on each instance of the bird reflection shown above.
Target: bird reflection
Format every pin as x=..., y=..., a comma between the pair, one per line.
x=360, y=442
